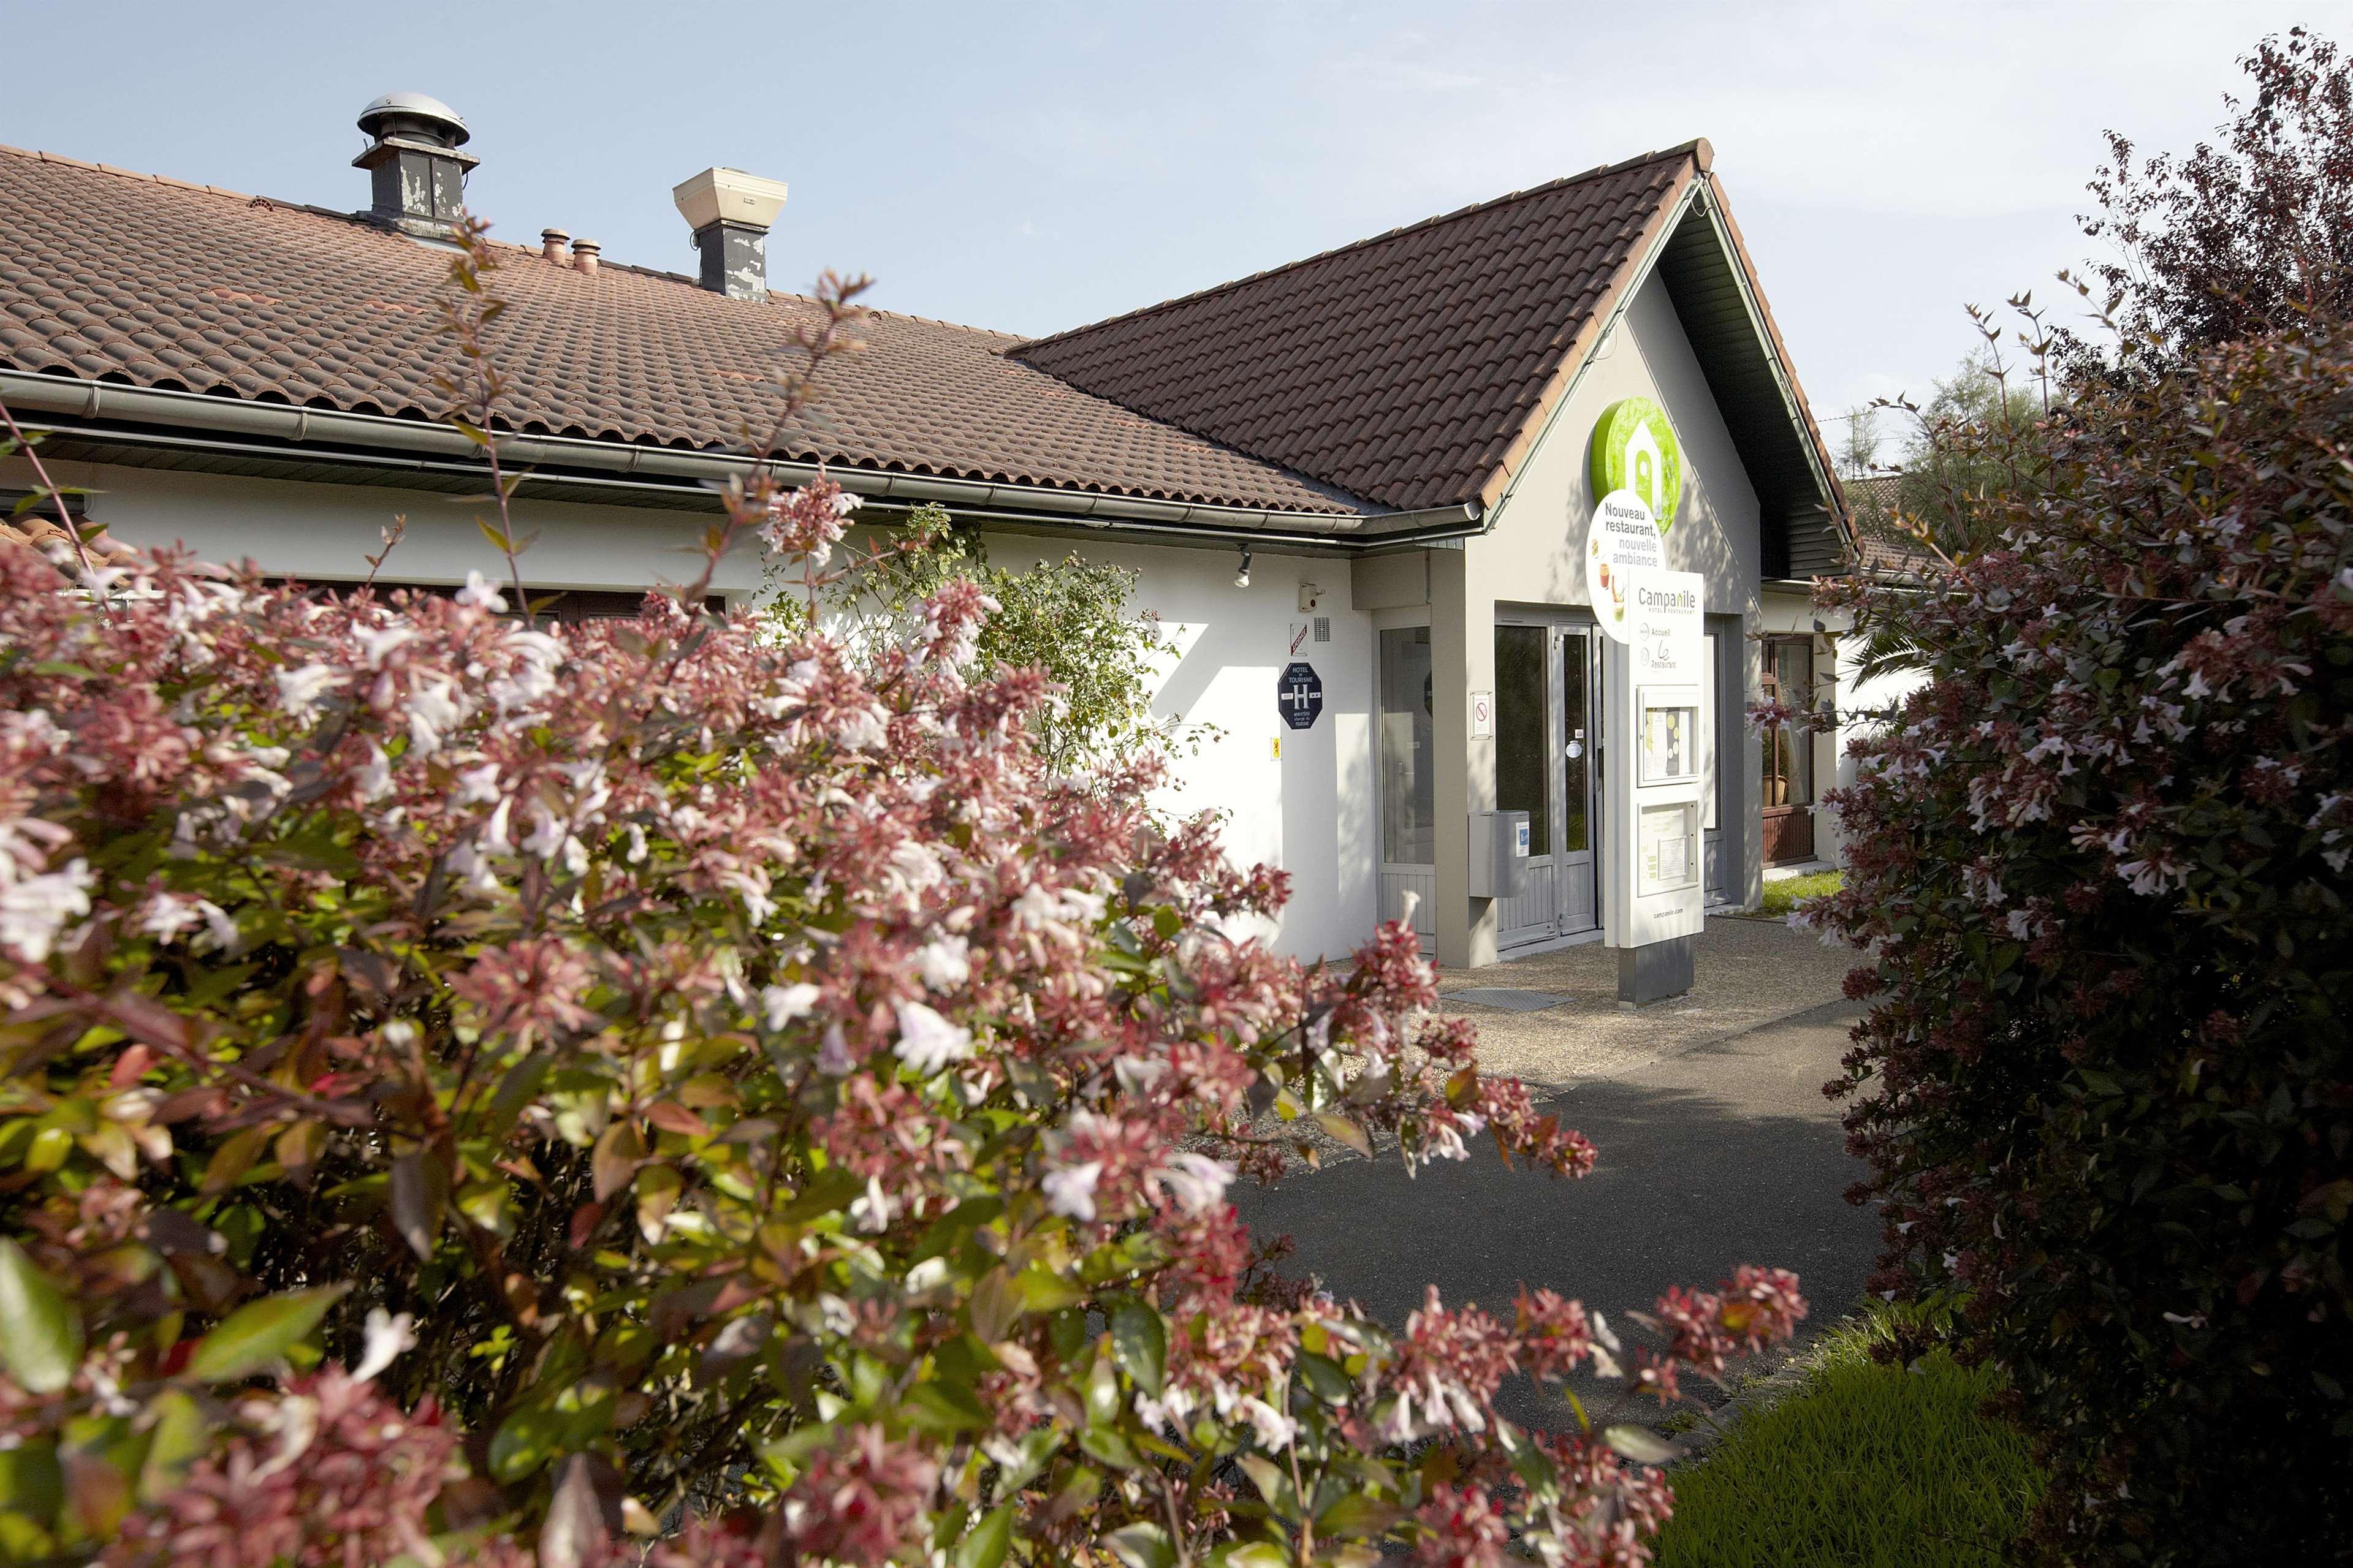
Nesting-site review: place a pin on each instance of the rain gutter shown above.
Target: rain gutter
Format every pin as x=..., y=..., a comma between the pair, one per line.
x=379, y=442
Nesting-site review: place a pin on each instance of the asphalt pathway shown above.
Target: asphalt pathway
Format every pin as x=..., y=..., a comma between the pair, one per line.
x=1720, y=1154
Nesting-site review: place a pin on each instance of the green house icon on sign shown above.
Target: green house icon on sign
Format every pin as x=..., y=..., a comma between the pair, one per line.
x=1634, y=449
x=1642, y=469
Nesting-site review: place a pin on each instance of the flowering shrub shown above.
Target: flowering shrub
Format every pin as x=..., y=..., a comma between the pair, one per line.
x=471, y=1092
x=2100, y=863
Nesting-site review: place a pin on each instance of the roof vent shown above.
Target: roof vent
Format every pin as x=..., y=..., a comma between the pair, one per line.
x=419, y=175
x=730, y=212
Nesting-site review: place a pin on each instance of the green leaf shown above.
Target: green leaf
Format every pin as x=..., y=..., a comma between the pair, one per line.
x=420, y=1191
x=1140, y=1340
x=944, y=1409
x=1105, y=1444
x=1043, y=1290
x=181, y=1433
x=526, y=1440
x=257, y=1334
x=1354, y=1515
x=1641, y=1445
x=31, y=1482
x=1271, y=1483
x=1142, y=1546
x=996, y=1303
x=1250, y=1554
x=986, y=1546
x=40, y=1334
x=1346, y=1131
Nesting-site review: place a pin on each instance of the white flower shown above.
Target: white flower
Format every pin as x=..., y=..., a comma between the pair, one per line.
x=927, y=1042
x=546, y=835
x=433, y=713
x=479, y=786
x=1196, y=1181
x=861, y=731
x=874, y=1212
x=299, y=690
x=833, y=1058
x=780, y=1005
x=378, y=643
x=374, y=777
x=33, y=910
x=478, y=592
x=388, y=1339
x=1070, y=1190
x=945, y=962
x=1275, y=1429
x=1139, y=1076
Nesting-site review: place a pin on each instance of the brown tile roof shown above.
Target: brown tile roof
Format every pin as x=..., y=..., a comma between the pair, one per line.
x=1884, y=548
x=1401, y=368
x=109, y=275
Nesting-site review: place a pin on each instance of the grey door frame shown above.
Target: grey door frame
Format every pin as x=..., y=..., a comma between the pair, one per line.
x=1568, y=634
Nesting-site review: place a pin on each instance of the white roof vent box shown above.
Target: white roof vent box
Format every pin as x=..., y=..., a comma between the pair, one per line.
x=730, y=213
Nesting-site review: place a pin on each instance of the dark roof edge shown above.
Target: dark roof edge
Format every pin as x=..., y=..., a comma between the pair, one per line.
x=1696, y=148
x=1577, y=355
x=1719, y=212
x=664, y=467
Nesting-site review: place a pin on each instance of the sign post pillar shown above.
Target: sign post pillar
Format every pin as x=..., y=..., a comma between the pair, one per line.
x=1652, y=686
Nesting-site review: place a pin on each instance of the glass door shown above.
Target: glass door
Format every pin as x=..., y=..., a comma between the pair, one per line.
x=1408, y=762
x=1525, y=777
x=1575, y=872
x=1545, y=765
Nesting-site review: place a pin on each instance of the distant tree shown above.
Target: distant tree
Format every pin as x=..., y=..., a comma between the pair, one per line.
x=1858, y=452
x=1072, y=618
x=2243, y=237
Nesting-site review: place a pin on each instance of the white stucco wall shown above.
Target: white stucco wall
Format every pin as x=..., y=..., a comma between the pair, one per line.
x=1309, y=811
x=321, y=532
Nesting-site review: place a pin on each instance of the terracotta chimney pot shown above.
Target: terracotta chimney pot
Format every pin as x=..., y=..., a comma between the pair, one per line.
x=554, y=244
x=584, y=255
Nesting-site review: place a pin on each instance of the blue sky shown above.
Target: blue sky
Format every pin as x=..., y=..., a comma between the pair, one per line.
x=1031, y=166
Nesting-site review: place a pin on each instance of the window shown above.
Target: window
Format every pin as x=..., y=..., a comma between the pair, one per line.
x=1788, y=751
x=571, y=605
x=1408, y=750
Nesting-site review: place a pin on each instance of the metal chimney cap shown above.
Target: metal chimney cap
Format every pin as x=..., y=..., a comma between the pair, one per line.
x=414, y=106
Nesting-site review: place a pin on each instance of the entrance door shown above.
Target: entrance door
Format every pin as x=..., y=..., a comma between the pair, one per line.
x=1580, y=776
x=1544, y=765
x=1524, y=776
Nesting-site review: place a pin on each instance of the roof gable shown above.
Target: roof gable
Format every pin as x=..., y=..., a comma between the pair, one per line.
x=1403, y=368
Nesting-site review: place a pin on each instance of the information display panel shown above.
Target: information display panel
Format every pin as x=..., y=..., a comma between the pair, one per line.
x=1653, y=863
x=1667, y=734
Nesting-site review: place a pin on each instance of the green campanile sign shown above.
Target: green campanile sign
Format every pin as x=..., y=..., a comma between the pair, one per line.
x=1634, y=449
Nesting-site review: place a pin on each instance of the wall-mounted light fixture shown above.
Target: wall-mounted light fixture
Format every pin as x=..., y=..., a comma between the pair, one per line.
x=1241, y=577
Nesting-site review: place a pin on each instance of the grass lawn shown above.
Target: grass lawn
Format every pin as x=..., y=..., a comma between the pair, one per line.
x=1864, y=1465
x=1781, y=896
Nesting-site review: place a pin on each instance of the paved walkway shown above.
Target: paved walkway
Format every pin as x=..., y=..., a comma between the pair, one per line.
x=1748, y=972
x=1717, y=1148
